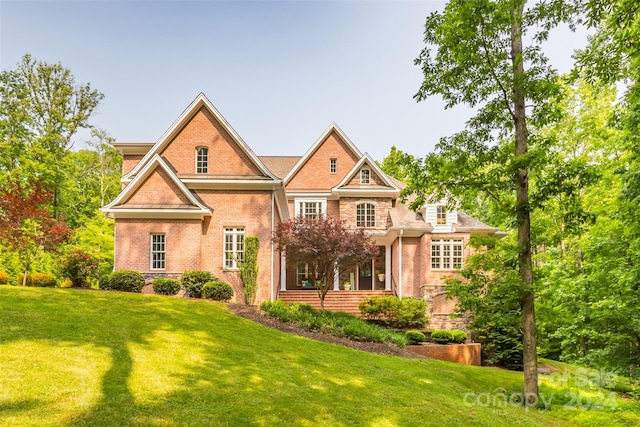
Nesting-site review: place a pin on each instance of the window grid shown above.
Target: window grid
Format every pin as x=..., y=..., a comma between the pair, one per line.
x=446, y=254
x=333, y=165
x=365, y=215
x=305, y=274
x=441, y=215
x=311, y=210
x=233, y=247
x=202, y=160
x=158, y=252
x=365, y=176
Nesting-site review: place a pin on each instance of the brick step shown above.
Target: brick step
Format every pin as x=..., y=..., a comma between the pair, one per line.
x=346, y=301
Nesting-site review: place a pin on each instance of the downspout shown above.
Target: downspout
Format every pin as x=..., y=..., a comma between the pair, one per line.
x=273, y=221
x=400, y=264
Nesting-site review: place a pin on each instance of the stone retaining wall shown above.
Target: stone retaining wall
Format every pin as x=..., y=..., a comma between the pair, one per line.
x=468, y=354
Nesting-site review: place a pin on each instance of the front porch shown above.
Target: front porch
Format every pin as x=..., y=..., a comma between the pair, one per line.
x=346, y=301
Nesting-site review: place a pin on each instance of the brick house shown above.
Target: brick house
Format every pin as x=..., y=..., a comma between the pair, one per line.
x=189, y=199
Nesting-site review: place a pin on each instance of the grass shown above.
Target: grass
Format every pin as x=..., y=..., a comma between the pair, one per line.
x=72, y=358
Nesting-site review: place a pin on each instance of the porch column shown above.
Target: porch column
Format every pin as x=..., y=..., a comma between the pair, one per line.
x=283, y=272
x=336, y=279
x=387, y=267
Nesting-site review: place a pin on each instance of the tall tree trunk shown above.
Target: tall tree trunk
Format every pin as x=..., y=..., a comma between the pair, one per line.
x=522, y=212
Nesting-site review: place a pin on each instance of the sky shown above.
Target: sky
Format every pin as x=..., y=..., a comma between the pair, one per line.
x=280, y=72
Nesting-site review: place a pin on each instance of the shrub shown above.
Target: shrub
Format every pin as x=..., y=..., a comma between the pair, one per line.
x=4, y=278
x=41, y=280
x=123, y=280
x=66, y=283
x=415, y=337
x=459, y=337
x=441, y=336
x=166, y=286
x=78, y=266
x=193, y=280
x=217, y=291
x=395, y=312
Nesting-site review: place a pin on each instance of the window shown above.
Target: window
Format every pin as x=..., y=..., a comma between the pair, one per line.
x=446, y=254
x=333, y=165
x=158, y=252
x=441, y=215
x=233, y=247
x=312, y=209
x=202, y=160
x=365, y=215
x=365, y=175
x=306, y=276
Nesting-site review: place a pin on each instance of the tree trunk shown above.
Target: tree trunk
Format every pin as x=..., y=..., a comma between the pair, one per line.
x=530, y=363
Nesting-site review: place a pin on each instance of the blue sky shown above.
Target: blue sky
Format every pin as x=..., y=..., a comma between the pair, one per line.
x=280, y=72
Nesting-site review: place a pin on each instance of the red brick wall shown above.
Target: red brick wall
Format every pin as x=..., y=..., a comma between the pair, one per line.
x=315, y=173
x=204, y=131
x=129, y=162
x=158, y=188
x=468, y=354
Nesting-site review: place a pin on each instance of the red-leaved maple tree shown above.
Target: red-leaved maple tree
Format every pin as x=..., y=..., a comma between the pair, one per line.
x=26, y=226
x=325, y=245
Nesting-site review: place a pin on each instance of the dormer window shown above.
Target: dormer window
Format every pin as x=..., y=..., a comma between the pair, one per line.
x=202, y=160
x=441, y=215
x=365, y=176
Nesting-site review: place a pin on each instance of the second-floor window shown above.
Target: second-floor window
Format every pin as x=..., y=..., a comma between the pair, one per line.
x=365, y=215
x=365, y=176
x=202, y=160
x=446, y=254
x=441, y=215
x=333, y=165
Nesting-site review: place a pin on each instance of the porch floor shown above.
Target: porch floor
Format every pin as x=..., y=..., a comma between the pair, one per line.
x=346, y=301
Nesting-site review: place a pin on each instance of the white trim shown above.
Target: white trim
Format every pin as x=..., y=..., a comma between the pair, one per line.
x=271, y=267
x=364, y=178
x=400, y=264
x=298, y=200
x=387, y=267
x=151, y=251
x=375, y=212
x=239, y=230
x=372, y=166
x=238, y=184
x=198, y=148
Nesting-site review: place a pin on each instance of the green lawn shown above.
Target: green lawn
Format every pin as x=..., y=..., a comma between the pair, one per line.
x=74, y=357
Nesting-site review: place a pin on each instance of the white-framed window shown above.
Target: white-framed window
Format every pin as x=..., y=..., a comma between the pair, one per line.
x=441, y=215
x=202, y=160
x=365, y=176
x=333, y=165
x=158, y=251
x=446, y=254
x=233, y=247
x=310, y=208
x=365, y=215
x=306, y=276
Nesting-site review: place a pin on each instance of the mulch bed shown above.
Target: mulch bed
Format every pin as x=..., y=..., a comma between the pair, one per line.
x=254, y=314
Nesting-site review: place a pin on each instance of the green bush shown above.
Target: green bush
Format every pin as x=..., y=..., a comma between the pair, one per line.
x=123, y=280
x=415, y=337
x=328, y=322
x=459, y=337
x=395, y=312
x=217, y=291
x=4, y=278
x=441, y=336
x=193, y=280
x=41, y=280
x=166, y=286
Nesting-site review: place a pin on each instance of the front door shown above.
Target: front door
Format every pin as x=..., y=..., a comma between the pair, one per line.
x=365, y=281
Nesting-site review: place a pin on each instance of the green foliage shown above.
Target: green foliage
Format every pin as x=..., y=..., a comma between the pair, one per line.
x=395, y=312
x=4, y=278
x=41, y=280
x=193, y=280
x=458, y=336
x=217, y=291
x=415, y=337
x=328, y=322
x=79, y=267
x=166, y=286
x=123, y=280
x=249, y=268
x=440, y=336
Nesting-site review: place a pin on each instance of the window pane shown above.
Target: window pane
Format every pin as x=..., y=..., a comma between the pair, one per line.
x=202, y=160
x=158, y=255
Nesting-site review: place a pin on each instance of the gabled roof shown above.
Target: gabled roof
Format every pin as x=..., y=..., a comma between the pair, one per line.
x=342, y=188
x=200, y=101
x=118, y=207
x=280, y=165
x=333, y=127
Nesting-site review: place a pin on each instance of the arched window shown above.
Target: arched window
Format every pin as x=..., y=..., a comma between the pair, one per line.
x=366, y=215
x=202, y=160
